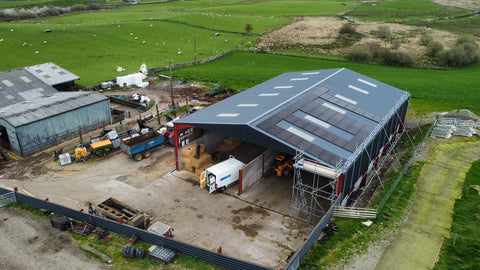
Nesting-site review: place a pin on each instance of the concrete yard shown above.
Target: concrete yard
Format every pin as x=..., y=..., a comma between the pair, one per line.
x=253, y=226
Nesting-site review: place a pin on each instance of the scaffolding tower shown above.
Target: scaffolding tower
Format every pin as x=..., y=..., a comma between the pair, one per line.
x=307, y=197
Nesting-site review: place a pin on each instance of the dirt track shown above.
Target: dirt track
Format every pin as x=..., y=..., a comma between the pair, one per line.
x=420, y=239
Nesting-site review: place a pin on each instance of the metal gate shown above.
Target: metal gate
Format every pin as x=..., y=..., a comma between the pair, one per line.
x=7, y=198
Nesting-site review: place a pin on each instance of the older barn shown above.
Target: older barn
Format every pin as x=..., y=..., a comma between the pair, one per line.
x=35, y=116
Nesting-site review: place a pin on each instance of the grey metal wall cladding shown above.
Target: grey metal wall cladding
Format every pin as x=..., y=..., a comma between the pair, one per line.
x=62, y=124
x=362, y=162
x=180, y=247
x=294, y=262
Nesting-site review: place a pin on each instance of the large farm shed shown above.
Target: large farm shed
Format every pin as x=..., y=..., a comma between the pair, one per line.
x=337, y=124
x=35, y=116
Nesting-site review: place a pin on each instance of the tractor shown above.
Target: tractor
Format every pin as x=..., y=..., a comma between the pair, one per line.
x=283, y=166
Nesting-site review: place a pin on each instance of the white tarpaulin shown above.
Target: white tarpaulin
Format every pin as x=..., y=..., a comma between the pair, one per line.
x=130, y=79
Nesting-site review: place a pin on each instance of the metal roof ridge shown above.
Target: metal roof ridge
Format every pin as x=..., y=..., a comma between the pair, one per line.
x=295, y=96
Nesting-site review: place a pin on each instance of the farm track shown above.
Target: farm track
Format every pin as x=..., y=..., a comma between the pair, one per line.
x=420, y=238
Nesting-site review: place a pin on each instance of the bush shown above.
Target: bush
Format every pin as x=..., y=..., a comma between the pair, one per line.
x=360, y=53
x=465, y=52
x=79, y=7
x=465, y=39
x=366, y=52
x=398, y=58
x=396, y=44
x=425, y=39
x=348, y=28
x=94, y=7
x=262, y=48
x=384, y=32
x=434, y=48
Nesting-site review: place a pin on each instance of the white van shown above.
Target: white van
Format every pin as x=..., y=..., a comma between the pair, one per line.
x=221, y=175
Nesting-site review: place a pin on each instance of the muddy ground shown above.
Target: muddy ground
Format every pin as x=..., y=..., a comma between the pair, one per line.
x=28, y=242
x=254, y=226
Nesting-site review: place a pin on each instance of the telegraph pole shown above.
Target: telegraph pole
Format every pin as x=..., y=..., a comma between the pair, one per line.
x=171, y=90
x=195, y=48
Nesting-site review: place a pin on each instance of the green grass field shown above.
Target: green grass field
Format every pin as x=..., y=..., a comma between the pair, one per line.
x=432, y=90
x=404, y=9
x=282, y=8
x=93, y=44
x=467, y=26
x=259, y=7
x=461, y=249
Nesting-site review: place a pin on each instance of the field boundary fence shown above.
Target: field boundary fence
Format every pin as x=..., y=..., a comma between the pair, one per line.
x=146, y=236
x=405, y=169
x=294, y=261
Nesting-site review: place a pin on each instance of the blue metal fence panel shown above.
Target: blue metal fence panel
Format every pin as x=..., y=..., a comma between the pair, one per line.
x=312, y=238
x=154, y=239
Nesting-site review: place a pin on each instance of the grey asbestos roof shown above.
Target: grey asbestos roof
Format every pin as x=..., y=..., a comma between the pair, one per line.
x=326, y=114
x=20, y=85
x=44, y=107
x=52, y=74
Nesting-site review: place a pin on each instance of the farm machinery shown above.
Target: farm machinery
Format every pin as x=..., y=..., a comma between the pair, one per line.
x=283, y=166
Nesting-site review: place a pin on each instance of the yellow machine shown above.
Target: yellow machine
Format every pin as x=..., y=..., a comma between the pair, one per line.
x=101, y=148
x=81, y=153
x=283, y=166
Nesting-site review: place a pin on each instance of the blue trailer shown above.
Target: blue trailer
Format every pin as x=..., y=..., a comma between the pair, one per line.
x=139, y=147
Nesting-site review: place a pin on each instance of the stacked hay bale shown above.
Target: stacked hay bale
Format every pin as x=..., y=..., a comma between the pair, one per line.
x=194, y=158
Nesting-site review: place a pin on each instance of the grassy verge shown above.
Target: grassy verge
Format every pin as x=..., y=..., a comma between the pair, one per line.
x=461, y=250
x=354, y=237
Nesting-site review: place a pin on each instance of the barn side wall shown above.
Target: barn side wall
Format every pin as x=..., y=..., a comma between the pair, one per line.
x=46, y=133
x=256, y=169
x=367, y=159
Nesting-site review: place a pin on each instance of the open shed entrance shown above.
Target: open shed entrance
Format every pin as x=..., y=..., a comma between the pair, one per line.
x=4, y=140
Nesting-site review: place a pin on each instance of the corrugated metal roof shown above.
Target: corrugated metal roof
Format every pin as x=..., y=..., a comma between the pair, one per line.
x=20, y=85
x=40, y=108
x=52, y=74
x=325, y=113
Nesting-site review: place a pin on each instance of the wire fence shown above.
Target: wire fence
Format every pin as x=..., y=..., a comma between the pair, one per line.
x=405, y=169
